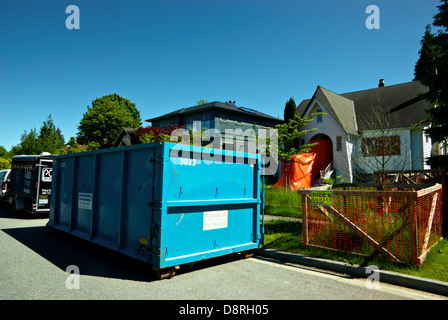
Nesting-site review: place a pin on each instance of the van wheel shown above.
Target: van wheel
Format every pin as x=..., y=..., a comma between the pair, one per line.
x=12, y=205
x=17, y=205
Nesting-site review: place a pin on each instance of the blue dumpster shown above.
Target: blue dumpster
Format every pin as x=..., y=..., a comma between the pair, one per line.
x=158, y=204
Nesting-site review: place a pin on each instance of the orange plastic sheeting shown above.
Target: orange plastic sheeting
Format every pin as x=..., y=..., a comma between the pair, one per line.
x=301, y=175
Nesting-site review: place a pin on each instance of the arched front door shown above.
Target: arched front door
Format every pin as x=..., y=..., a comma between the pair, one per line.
x=324, y=155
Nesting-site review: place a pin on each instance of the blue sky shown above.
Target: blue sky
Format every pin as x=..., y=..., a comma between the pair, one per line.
x=165, y=55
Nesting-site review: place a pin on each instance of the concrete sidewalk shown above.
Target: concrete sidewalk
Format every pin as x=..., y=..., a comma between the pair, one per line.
x=400, y=279
x=270, y=217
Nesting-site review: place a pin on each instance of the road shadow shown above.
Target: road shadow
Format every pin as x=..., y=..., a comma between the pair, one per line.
x=6, y=213
x=63, y=250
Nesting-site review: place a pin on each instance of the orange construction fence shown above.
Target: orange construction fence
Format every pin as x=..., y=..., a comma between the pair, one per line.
x=401, y=224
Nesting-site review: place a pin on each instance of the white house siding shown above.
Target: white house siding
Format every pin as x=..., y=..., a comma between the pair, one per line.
x=427, y=148
x=350, y=147
x=329, y=127
x=421, y=147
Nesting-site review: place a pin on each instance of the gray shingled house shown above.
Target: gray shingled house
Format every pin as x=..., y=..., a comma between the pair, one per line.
x=222, y=117
x=358, y=123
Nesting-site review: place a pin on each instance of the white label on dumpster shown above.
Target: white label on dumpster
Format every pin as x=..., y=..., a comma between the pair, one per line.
x=215, y=219
x=85, y=201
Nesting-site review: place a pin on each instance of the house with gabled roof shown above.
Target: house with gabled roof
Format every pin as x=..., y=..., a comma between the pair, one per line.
x=222, y=117
x=371, y=130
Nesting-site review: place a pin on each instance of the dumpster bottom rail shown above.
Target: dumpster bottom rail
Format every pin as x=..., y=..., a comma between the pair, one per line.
x=169, y=272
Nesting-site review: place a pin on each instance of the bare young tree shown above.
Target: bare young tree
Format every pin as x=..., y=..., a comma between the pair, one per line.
x=382, y=147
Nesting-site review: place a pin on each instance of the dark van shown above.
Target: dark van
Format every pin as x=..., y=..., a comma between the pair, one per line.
x=30, y=183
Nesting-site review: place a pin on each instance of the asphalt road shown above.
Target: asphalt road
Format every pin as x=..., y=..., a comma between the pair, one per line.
x=34, y=260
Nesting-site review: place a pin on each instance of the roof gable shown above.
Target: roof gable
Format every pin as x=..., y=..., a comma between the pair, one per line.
x=400, y=104
x=339, y=108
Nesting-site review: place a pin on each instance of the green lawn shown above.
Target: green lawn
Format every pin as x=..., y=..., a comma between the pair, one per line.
x=281, y=202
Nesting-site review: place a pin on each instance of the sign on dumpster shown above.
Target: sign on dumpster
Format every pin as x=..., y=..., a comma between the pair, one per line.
x=322, y=198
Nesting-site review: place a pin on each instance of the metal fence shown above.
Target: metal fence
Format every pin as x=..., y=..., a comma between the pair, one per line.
x=400, y=223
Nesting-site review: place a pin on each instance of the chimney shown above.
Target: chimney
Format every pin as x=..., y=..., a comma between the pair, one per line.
x=381, y=84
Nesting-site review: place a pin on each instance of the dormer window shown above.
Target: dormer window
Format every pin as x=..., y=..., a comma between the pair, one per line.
x=319, y=117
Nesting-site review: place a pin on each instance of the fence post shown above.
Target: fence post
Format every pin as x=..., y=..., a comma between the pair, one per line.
x=444, y=206
x=413, y=228
x=304, y=220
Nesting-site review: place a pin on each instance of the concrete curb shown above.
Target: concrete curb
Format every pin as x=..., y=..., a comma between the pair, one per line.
x=403, y=280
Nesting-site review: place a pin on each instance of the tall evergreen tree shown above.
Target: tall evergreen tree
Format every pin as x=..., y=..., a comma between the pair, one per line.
x=425, y=65
x=432, y=71
x=290, y=110
x=290, y=114
x=50, y=138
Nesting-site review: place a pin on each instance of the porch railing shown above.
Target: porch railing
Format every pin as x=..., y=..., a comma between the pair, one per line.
x=324, y=172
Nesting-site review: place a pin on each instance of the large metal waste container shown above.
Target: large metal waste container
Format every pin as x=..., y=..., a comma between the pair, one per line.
x=157, y=204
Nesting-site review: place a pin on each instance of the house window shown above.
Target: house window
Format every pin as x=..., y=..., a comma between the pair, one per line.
x=205, y=120
x=395, y=146
x=338, y=143
x=163, y=124
x=319, y=117
x=381, y=146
